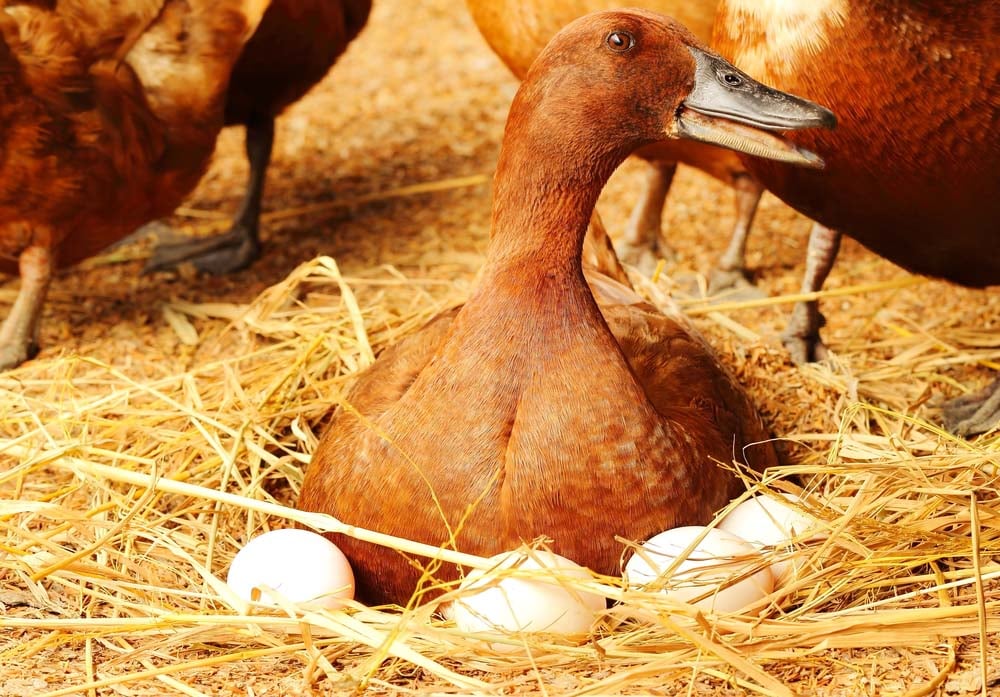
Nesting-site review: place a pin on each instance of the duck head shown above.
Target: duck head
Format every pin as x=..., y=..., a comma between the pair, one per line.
x=626, y=78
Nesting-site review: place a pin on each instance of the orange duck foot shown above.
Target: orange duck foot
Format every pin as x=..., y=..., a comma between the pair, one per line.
x=973, y=414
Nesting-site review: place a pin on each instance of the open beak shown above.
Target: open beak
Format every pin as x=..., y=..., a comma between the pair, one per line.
x=728, y=108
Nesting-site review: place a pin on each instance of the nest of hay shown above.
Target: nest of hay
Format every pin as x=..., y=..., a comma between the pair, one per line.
x=123, y=502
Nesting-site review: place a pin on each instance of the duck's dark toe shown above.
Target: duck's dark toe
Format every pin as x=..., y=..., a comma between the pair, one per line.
x=973, y=414
x=801, y=337
x=805, y=349
x=14, y=353
x=218, y=255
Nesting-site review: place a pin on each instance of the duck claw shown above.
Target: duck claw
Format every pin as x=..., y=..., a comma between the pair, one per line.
x=802, y=338
x=16, y=353
x=217, y=255
x=805, y=349
x=972, y=414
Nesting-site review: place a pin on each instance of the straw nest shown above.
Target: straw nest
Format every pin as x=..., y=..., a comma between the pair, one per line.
x=129, y=477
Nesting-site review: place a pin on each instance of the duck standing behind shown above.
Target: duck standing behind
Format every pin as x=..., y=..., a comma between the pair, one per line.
x=536, y=409
x=296, y=44
x=912, y=168
x=109, y=112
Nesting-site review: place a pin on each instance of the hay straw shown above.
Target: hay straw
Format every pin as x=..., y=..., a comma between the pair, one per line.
x=695, y=307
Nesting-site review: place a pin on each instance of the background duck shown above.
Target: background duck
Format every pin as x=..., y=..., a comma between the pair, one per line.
x=110, y=113
x=517, y=31
x=542, y=406
x=296, y=44
x=911, y=170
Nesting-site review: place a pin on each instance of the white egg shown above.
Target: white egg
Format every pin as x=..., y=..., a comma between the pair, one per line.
x=768, y=523
x=717, y=575
x=542, y=601
x=302, y=566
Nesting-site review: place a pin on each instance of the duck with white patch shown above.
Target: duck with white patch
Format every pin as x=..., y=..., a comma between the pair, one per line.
x=912, y=168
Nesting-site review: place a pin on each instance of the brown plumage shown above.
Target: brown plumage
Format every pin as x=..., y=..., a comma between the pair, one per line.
x=517, y=30
x=109, y=113
x=296, y=44
x=912, y=168
x=534, y=409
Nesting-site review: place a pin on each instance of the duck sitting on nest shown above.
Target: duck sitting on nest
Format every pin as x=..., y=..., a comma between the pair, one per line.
x=544, y=406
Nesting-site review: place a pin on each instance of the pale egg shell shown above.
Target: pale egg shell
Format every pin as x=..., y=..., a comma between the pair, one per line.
x=302, y=566
x=543, y=601
x=718, y=568
x=766, y=522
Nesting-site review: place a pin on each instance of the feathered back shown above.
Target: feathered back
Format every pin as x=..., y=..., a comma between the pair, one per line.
x=109, y=111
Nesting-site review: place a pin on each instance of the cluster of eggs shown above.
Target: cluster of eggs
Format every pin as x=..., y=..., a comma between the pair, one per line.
x=721, y=569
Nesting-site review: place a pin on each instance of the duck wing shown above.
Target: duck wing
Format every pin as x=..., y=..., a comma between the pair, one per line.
x=680, y=372
x=383, y=383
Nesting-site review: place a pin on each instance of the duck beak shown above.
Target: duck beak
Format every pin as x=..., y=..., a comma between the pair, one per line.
x=730, y=109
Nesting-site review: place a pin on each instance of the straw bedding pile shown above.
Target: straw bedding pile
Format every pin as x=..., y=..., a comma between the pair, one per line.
x=169, y=420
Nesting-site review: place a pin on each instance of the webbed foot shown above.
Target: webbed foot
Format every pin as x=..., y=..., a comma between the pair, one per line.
x=218, y=255
x=972, y=414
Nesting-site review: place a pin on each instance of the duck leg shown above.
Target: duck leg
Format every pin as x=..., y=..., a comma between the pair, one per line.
x=972, y=414
x=731, y=271
x=240, y=245
x=640, y=245
x=801, y=337
x=19, y=333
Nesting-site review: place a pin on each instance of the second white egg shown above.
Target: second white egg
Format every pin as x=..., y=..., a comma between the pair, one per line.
x=722, y=573
x=767, y=522
x=543, y=599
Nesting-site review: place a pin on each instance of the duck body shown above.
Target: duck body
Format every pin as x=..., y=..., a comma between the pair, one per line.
x=517, y=31
x=108, y=117
x=96, y=147
x=294, y=47
x=552, y=403
x=911, y=169
x=605, y=420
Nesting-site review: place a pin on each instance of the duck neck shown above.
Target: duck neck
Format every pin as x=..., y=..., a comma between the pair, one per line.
x=538, y=223
x=553, y=163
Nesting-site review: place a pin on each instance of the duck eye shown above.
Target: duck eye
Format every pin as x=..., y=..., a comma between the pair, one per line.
x=620, y=41
x=732, y=79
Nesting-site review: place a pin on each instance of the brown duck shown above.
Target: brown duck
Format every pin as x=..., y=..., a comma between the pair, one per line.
x=517, y=30
x=544, y=406
x=912, y=168
x=109, y=112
